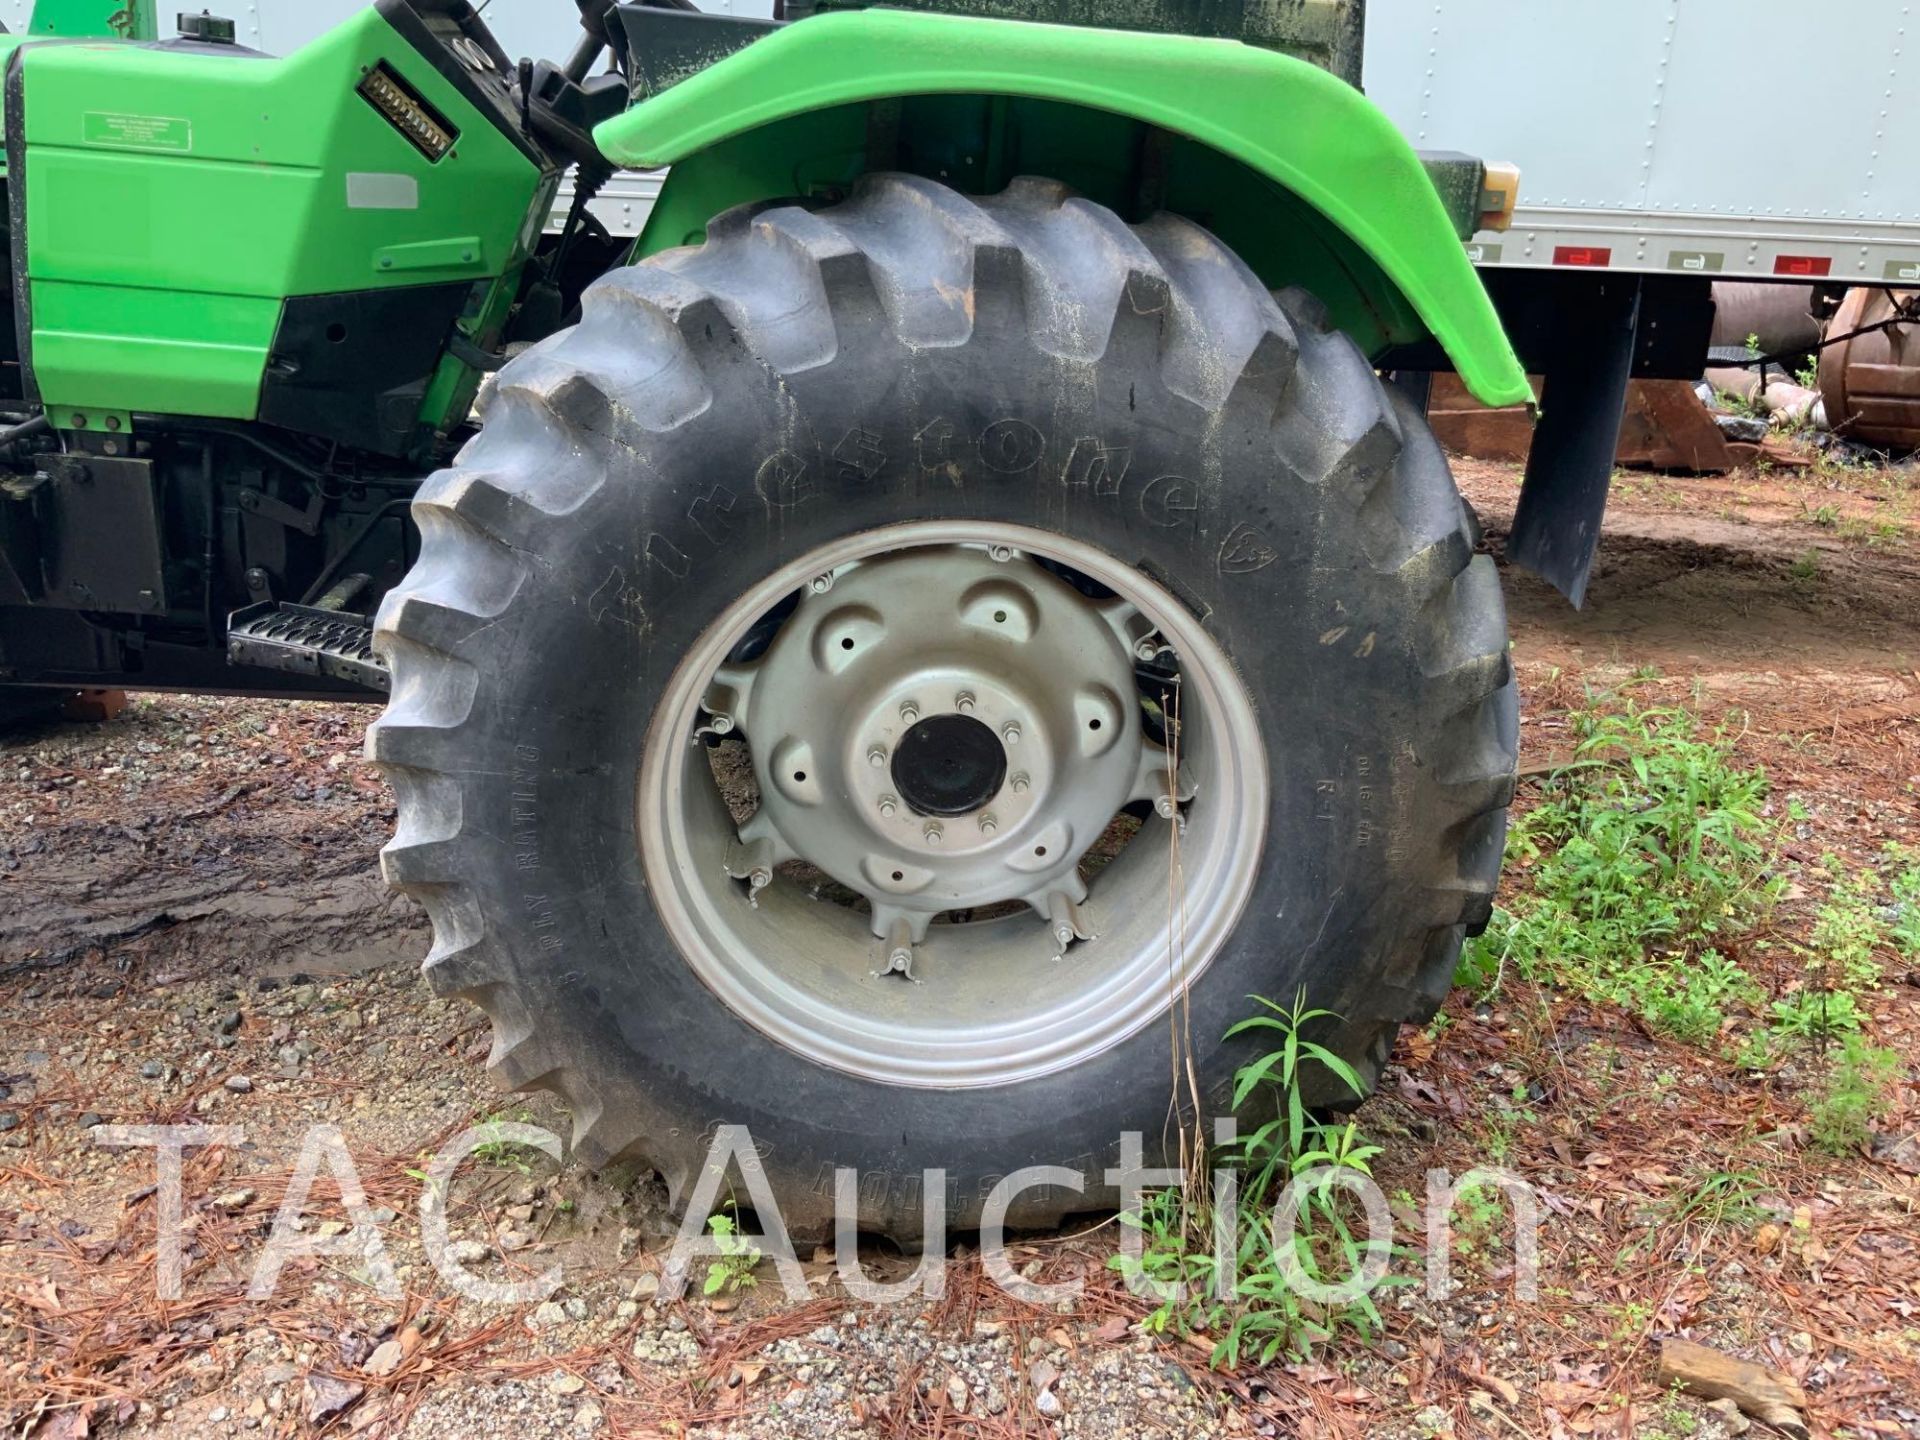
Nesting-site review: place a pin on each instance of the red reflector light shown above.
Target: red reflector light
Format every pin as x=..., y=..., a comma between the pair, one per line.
x=1802, y=264
x=1582, y=255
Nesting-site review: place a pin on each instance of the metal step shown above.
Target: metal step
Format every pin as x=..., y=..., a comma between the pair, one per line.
x=306, y=640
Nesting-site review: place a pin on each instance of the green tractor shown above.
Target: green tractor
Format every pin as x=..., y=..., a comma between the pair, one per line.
x=890, y=659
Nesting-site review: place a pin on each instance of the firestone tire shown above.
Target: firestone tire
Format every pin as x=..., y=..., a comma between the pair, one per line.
x=1025, y=358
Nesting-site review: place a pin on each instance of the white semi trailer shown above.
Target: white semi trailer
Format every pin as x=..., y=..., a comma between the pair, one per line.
x=1686, y=137
x=1663, y=145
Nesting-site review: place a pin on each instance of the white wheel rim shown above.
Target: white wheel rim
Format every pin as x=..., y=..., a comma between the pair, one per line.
x=994, y=1001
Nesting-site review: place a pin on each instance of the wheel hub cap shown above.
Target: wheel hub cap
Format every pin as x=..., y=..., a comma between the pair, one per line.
x=949, y=765
x=941, y=730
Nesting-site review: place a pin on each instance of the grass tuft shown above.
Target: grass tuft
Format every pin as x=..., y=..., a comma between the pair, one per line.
x=1648, y=852
x=1208, y=1250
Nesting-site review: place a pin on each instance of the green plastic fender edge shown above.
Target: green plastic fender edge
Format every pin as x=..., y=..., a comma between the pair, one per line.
x=1302, y=127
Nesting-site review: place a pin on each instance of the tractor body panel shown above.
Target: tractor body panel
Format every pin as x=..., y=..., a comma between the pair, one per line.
x=226, y=235
x=1358, y=219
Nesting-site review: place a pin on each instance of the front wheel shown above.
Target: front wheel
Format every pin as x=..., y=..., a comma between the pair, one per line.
x=889, y=669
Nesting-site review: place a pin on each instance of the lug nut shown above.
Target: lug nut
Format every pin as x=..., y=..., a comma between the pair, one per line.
x=1020, y=783
x=1002, y=553
x=909, y=711
x=820, y=584
x=1010, y=733
x=963, y=702
x=888, y=804
x=1167, y=803
x=932, y=832
x=877, y=756
x=988, y=824
x=900, y=949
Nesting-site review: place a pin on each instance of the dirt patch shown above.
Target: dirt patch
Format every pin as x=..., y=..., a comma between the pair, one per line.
x=1729, y=575
x=194, y=829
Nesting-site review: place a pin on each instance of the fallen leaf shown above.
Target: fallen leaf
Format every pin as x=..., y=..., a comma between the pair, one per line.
x=1503, y=1388
x=1567, y=1396
x=327, y=1396
x=42, y=1297
x=1416, y=1048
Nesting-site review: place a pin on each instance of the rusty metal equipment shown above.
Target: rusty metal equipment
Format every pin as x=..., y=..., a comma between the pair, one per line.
x=1870, y=380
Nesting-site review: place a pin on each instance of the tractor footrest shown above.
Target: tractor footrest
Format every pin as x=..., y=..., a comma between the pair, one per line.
x=306, y=641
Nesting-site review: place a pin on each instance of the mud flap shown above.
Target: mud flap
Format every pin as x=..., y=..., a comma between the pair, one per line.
x=1556, y=527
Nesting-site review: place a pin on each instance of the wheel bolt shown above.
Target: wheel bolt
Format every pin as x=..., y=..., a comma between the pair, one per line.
x=1167, y=803
x=877, y=756
x=988, y=824
x=1010, y=733
x=932, y=832
x=909, y=711
x=888, y=804
x=820, y=584
x=1020, y=783
x=1002, y=553
x=963, y=702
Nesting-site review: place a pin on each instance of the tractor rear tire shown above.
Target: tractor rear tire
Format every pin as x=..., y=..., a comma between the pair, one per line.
x=809, y=382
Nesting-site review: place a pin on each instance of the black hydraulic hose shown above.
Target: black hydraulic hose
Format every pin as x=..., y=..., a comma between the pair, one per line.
x=587, y=180
x=209, y=549
x=339, y=562
x=465, y=351
x=26, y=429
x=246, y=436
x=205, y=425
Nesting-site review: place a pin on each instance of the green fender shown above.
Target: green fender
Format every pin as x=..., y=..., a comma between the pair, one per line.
x=1310, y=134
